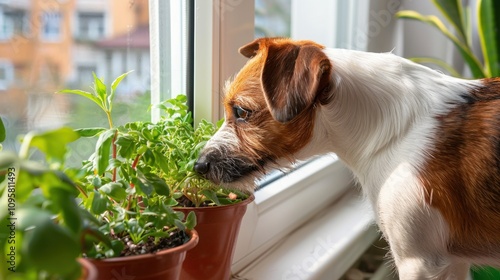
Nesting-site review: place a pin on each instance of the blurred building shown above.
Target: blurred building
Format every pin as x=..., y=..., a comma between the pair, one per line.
x=48, y=45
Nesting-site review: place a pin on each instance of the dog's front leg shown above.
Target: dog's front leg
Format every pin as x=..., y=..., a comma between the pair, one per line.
x=416, y=232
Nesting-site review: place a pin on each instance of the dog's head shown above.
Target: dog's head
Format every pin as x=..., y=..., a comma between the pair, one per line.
x=269, y=109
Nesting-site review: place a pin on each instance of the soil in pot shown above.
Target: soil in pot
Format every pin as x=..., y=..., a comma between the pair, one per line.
x=162, y=264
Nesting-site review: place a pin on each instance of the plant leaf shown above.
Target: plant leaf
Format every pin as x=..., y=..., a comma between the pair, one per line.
x=53, y=143
x=99, y=203
x=101, y=90
x=85, y=94
x=114, y=190
x=211, y=195
x=114, y=85
x=90, y=132
x=69, y=209
x=3, y=134
x=103, y=151
x=126, y=145
x=472, y=61
x=452, y=10
x=489, y=35
x=143, y=184
x=8, y=159
x=190, y=220
x=51, y=237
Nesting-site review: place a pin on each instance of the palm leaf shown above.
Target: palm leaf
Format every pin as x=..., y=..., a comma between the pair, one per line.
x=470, y=59
x=489, y=35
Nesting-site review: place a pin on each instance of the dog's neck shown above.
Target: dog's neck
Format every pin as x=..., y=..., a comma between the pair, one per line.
x=382, y=104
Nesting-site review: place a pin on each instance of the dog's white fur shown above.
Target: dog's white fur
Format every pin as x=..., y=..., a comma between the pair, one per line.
x=373, y=91
x=379, y=123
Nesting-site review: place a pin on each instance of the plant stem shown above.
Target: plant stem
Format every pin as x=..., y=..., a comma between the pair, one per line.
x=114, y=154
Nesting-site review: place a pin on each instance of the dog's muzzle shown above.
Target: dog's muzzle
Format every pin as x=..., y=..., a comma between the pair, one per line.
x=222, y=167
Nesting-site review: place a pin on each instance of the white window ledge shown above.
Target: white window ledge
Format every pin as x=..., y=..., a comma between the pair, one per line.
x=323, y=248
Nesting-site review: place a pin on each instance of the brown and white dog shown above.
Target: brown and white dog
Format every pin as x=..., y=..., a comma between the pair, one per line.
x=425, y=147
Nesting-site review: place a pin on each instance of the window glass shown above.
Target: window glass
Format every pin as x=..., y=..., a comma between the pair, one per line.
x=272, y=18
x=90, y=25
x=44, y=48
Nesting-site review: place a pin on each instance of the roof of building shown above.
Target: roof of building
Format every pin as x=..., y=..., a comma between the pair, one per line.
x=137, y=38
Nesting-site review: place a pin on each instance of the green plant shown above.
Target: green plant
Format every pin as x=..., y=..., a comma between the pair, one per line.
x=119, y=188
x=459, y=17
x=155, y=156
x=180, y=144
x=51, y=214
x=38, y=210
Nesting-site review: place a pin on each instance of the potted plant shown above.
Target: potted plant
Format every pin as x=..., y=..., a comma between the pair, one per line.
x=39, y=211
x=132, y=204
x=219, y=211
x=161, y=158
x=113, y=211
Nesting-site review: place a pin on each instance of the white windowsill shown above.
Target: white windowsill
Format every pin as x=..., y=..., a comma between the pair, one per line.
x=323, y=248
x=296, y=203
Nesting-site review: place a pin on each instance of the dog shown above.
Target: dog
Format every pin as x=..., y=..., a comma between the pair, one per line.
x=423, y=146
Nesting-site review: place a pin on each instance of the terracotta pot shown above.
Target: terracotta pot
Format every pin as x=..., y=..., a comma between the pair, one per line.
x=89, y=271
x=165, y=265
x=218, y=228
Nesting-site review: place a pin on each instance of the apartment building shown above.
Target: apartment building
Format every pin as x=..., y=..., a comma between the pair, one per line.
x=48, y=45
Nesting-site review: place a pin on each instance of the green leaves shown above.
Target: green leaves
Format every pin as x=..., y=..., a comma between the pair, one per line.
x=489, y=35
x=100, y=94
x=488, y=26
x=103, y=151
x=53, y=143
x=3, y=134
x=51, y=248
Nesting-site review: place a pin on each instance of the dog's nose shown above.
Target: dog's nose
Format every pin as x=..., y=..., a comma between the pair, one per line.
x=202, y=166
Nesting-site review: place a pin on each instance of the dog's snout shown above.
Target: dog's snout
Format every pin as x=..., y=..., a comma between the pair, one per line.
x=202, y=166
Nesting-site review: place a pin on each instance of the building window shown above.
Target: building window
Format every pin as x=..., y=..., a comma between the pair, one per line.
x=84, y=73
x=6, y=74
x=51, y=27
x=12, y=22
x=90, y=26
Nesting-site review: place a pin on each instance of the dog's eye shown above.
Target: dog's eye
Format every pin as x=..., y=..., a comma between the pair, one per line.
x=240, y=113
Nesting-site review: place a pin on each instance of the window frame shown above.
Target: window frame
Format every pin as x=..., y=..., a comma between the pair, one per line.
x=51, y=21
x=222, y=26
x=9, y=71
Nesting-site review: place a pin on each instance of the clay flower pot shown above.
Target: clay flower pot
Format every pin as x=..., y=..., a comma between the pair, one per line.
x=89, y=271
x=165, y=264
x=218, y=228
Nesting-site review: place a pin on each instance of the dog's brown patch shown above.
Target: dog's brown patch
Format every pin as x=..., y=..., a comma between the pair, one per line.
x=271, y=70
x=462, y=174
x=280, y=86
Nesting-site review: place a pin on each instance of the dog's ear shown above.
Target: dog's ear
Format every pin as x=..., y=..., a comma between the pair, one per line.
x=294, y=77
x=250, y=50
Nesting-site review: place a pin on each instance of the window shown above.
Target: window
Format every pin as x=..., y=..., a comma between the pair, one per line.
x=51, y=26
x=6, y=75
x=90, y=26
x=84, y=73
x=12, y=21
x=220, y=30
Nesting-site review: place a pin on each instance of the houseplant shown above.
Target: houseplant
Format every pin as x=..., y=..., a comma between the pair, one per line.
x=459, y=17
x=132, y=203
x=87, y=211
x=219, y=211
x=166, y=152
